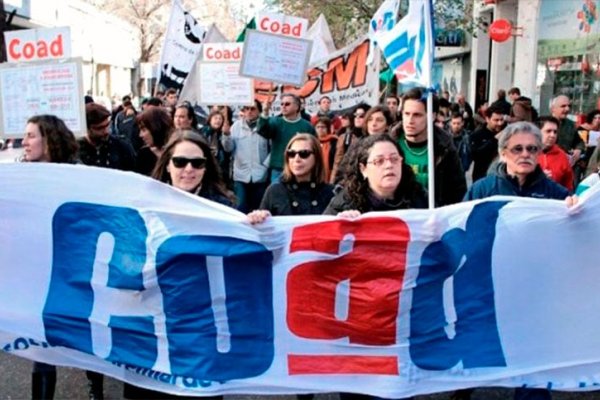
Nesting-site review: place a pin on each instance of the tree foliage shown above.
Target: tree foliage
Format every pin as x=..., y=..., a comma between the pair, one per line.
x=149, y=17
x=349, y=19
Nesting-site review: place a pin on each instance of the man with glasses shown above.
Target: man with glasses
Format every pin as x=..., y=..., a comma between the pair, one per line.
x=281, y=129
x=518, y=172
x=101, y=149
x=250, y=153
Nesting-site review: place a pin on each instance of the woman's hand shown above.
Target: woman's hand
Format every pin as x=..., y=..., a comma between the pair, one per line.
x=258, y=216
x=571, y=201
x=349, y=214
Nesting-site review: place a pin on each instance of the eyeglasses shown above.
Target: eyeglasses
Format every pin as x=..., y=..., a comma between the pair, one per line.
x=182, y=162
x=518, y=149
x=378, y=162
x=249, y=109
x=304, y=154
x=359, y=115
x=286, y=104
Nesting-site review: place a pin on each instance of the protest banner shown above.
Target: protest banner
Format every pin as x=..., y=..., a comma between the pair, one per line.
x=183, y=42
x=41, y=87
x=169, y=291
x=38, y=44
x=344, y=76
x=276, y=58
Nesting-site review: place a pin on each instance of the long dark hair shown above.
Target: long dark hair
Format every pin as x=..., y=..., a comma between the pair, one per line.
x=159, y=122
x=60, y=142
x=357, y=187
x=212, y=180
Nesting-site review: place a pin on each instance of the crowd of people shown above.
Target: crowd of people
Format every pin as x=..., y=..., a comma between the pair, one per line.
x=367, y=158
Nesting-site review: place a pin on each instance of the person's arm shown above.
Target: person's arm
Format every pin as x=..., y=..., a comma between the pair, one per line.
x=227, y=140
x=337, y=159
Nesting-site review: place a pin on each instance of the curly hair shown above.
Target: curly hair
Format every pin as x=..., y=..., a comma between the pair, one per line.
x=357, y=187
x=60, y=143
x=212, y=179
x=159, y=122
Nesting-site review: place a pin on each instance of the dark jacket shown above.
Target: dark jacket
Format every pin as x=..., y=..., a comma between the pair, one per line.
x=537, y=185
x=114, y=153
x=305, y=198
x=212, y=195
x=484, y=149
x=342, y=202
x=450, y=182
x=523, y=110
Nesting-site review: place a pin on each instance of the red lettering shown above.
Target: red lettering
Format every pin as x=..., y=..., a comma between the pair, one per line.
x=28, y=50
x=343, y=74
x=375, y=271
x=42, y=51
x=12, y=49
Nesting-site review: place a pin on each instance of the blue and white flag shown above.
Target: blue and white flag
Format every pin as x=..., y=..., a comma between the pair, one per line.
x=383, y=20
x=408, y=46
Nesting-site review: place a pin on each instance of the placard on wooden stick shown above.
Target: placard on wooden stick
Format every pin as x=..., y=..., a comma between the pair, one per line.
x=275, y=58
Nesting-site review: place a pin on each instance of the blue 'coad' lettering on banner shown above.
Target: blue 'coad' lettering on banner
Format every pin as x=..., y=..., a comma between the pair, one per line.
x=476, y=342
x=76, y=228
x=183, y=266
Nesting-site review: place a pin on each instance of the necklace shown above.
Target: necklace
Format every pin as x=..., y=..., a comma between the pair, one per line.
x=411, y=151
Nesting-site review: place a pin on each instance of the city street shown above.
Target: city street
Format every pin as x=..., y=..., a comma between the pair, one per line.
x=15, y=378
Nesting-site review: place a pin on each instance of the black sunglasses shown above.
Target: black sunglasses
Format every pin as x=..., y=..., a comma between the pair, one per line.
x=182, y=162
x=304, y=154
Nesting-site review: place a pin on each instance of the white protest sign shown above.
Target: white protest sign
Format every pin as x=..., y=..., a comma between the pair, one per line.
x=220, y=83
x=593, y=138
x=275, y=58
x=41, y=88
x=281, y=24
x=38, y=44
x=222, y=52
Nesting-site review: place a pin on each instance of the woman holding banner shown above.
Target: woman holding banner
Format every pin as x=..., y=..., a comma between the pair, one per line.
x=47, y=139
x=186, y=163
x=377, y=179
x=302, y=189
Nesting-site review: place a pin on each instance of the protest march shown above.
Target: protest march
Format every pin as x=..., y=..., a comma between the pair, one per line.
x=297, y=214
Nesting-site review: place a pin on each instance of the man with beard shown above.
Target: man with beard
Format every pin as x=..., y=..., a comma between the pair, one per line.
x=450, y=183
x=98, y=147
x=483, y=142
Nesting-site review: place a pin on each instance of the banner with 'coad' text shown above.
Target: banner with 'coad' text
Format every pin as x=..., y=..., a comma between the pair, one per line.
x=114, y=272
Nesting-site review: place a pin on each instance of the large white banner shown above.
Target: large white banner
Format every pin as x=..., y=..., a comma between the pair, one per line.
x=117, y=273
x=183, y=42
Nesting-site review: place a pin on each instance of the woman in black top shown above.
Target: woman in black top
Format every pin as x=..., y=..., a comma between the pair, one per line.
x=377, y=179
x=302, y=189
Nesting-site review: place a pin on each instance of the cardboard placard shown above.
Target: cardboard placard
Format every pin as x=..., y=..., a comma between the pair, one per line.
x=34, y=88
x=220, y=83
x=275, y=58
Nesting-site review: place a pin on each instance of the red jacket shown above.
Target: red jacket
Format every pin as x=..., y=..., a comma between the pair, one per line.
x=555, y=163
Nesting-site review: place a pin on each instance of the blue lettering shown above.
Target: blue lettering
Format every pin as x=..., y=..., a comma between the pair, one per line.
x=183, y=269
x=476, y=342
x=76, y=228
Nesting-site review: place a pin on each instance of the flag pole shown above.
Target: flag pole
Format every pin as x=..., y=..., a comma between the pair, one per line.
x=430, y=155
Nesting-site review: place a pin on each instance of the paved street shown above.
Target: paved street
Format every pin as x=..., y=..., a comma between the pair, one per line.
x=15, y=384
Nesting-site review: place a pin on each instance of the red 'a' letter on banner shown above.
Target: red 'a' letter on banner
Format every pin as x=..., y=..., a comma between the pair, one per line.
x=374, y=269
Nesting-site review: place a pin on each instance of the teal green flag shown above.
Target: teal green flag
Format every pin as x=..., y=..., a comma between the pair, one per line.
x=250, y=25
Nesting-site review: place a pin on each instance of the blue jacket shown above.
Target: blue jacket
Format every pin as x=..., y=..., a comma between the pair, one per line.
x=537, y=185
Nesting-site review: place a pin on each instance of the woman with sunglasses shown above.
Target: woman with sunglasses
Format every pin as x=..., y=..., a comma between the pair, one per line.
x=47, y=139
x=188, y=163
x=377, y=179
x=302, y=189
